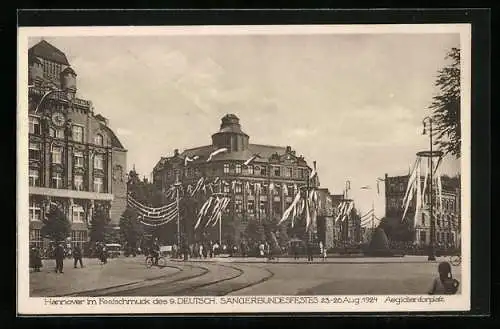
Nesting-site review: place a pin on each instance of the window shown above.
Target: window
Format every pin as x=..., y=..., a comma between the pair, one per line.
x=250, y=206
x=98, y=140
x=263, y=207
x=34, y=124
x=35, y=211
x=289, y=172
x=238, y=206
x=34, y=179
x=197, y=172
x=77, y=133
x=226, y=188
x=238, y=169
x=277, y=171
x=78, y=159
x=250, y=170
x=438, y=222
x=78, y=182
x=423, y=236
x=57, y=180
x=98, y=184
x=78, y=214
x=289, y=189
x=263, y=171
x=277, y=208
x=423, y=220
x=36, y=238
x=226, y=168
x=99, y=161
x=237, y=187
x=56, y=154
x=34, y=151
x=57, y=133
x=277, y=190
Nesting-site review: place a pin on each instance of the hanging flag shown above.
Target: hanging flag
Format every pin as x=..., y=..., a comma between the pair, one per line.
x=233, y=186
x=214, y=153
x=289, y=210
x=247, y=188
x=313, y=171
x=378, y=187
x=308, y=215
x=271, y=187
x=252, y=158
x=411, y=179
x=440, y=191
x=425, y=179
x=257, y=187
x=187, y=159
x=285, y=189
x=419, y=195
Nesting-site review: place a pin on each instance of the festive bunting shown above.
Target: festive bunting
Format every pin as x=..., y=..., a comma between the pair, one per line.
x=251, y=159
x=214, y=153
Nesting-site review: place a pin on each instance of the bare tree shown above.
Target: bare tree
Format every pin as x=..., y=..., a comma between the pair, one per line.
x=446, y=106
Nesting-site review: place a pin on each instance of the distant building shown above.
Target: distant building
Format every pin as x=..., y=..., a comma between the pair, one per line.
x=276, y=167
x=75, y=159
x=447, y=216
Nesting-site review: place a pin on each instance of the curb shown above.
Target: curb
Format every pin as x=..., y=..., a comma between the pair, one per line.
x=121, y=285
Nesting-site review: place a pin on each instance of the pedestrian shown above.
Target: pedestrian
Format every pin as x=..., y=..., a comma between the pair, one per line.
x=59, y=255
x=77, y=256
x=295, y=250
x=309, y=248
x=35, y=259
x=444, y=284
x=261, y=249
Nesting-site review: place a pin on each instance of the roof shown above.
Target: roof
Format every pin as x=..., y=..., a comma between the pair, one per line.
x=47, y=51
x=265, y=151
x=115, y=142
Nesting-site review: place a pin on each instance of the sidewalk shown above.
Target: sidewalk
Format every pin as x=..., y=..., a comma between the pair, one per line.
x=318, y=260
x=92, y=276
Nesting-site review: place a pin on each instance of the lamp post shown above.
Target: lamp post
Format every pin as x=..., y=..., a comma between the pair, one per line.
x=427, y=122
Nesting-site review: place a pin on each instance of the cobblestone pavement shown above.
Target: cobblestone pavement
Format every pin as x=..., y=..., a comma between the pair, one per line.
x=239, y=276
x=91, y=276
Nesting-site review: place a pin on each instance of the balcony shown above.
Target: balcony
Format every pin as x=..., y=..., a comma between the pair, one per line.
x=62, y=193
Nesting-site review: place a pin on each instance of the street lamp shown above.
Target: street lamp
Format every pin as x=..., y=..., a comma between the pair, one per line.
x=427, y=122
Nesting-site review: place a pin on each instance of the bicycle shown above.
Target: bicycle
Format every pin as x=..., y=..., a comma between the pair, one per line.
x=150, y=261
x=456, y=260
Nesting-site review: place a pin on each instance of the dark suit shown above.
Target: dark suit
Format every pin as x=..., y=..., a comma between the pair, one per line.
x=59, y=255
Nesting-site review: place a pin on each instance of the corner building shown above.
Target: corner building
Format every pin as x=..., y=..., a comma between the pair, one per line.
x=75, y=159
x=446, y=217
x=276, y=166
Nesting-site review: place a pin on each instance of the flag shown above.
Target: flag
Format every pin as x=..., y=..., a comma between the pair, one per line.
x=313, y=171
x=251, y=159
x=214, y=153
x=289, y=210
x=233, y=186
x=187, y=159
x=308, y=215
x=419, y=195
x=285, y=189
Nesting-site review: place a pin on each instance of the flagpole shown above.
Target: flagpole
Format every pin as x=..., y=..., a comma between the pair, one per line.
x=177, y=186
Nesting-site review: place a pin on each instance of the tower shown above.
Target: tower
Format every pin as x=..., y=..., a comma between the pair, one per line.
x=230, y=135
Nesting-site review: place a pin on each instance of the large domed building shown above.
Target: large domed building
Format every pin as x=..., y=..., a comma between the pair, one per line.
x=278, y=170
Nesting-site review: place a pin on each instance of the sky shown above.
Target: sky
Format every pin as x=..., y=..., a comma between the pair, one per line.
x=352, y=102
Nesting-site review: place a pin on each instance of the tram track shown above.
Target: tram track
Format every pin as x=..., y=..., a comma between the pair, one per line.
x=123, y=289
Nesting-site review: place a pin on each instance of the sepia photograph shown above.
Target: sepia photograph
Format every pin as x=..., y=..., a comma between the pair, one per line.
x=243, y=168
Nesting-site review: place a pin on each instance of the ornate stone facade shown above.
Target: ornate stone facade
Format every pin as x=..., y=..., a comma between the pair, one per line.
x=75, y=159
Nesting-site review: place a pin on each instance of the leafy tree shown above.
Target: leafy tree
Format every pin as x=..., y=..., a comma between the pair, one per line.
x=446, y=106
x=130, y=229
x=99, y=224
x=56, y=225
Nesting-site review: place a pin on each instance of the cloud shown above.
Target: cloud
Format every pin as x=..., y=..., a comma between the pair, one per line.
x=303, y=132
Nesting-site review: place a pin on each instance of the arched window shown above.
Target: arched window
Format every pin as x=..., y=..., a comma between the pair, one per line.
x=98, y=140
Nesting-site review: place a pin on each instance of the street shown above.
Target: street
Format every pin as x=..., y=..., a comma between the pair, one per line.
x=239, y=276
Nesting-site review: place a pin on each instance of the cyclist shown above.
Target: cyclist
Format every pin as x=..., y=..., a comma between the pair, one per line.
x=155, y=251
